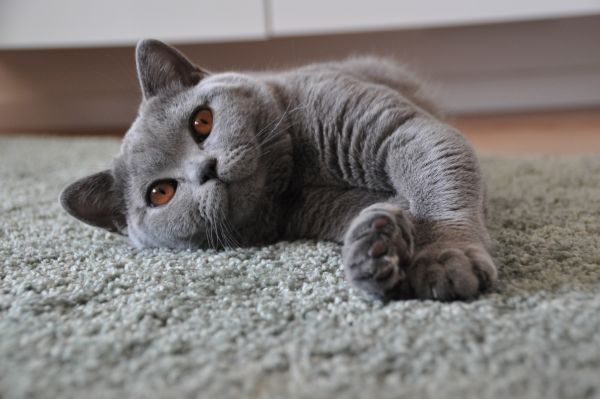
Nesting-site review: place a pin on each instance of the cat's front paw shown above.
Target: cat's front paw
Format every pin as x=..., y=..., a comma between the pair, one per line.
x=378, y=246
x=451, y=271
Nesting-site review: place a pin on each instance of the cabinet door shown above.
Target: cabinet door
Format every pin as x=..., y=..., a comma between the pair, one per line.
x=79, y=23
x=292, y=17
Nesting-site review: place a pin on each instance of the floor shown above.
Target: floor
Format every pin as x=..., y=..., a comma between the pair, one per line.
x=551, y=132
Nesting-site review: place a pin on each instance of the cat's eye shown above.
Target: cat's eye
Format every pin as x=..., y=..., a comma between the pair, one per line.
x=161, y=192
x=202, y=122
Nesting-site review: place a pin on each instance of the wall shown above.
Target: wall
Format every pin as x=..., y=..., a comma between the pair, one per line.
x=479, y=68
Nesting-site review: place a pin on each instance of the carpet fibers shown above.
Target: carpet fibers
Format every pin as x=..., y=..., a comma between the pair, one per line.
x=84, y=315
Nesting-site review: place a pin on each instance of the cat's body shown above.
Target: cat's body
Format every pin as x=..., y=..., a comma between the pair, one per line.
x=349, y=152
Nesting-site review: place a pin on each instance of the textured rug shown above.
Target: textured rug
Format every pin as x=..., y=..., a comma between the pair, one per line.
x=84, y=315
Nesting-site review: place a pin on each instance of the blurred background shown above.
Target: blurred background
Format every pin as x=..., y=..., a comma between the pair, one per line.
x=515, y=76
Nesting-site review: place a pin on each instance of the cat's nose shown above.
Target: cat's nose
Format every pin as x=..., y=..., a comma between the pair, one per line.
x=207, y=170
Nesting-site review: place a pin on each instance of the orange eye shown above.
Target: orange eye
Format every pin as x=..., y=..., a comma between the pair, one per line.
x=202, y=123
x=161, y=192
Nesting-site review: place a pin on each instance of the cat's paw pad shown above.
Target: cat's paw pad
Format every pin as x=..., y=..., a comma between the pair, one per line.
x=377, y=248
x=449, y=272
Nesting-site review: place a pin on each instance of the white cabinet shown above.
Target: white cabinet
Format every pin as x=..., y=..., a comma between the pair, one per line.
x=293, y=17
x=88, y=23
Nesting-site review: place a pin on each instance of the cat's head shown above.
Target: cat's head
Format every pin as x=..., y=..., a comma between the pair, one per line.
x=196, y=166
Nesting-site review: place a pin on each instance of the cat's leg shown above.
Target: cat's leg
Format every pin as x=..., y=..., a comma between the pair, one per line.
x=378, y=249
x=436, y=170
x=377, y=237
x=451, y=261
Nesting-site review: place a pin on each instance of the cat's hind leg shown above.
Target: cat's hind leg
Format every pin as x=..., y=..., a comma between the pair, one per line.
x=447, y=270
x=436, y=170
x=378, y=249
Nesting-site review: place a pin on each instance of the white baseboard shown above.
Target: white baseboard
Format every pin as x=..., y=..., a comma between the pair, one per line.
x=565, y=89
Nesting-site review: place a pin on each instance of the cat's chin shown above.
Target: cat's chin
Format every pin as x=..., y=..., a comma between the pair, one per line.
x=243, y=198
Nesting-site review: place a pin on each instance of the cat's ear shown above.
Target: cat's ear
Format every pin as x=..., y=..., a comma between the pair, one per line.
x=161, y=68
x=94, y=200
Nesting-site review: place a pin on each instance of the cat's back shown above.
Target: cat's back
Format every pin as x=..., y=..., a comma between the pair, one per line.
x=337, y=110
x=347, y=76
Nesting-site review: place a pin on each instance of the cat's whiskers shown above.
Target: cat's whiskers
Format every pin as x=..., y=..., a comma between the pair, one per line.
x=267, y=138
x=211, y=241
x=267, y=143
x=277, y=120
x=264, y=154
x=230, y=232
x=220, y=234
x=272, y=133
x=227, y=231
x=227, y=241
x=190, y=242
x=208, y=233
x=261, y=131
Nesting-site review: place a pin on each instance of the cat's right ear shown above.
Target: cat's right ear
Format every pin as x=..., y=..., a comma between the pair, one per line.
x=94, y=200
x=162, y=68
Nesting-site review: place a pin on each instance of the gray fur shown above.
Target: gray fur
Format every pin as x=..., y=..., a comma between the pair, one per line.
x=350, y=151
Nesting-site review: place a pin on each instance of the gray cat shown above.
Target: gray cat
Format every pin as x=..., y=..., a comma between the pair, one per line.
x=350, y=152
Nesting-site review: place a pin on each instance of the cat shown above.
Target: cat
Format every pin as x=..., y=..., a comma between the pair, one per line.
x=349, y=151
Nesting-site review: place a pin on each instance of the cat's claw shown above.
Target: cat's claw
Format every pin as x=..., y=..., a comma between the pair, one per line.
x=377, y=248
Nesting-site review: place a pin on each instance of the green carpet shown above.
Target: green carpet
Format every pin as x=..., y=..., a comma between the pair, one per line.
x=84, y=315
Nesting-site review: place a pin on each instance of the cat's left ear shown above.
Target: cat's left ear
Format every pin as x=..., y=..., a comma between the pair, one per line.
x=94, y=200
x=162, y=69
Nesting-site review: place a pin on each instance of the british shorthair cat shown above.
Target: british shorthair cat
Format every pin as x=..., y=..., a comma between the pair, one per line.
x=346, y=151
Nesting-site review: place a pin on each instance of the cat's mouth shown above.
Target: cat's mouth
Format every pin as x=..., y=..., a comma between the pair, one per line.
x=233, y=202
x=238, y=165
